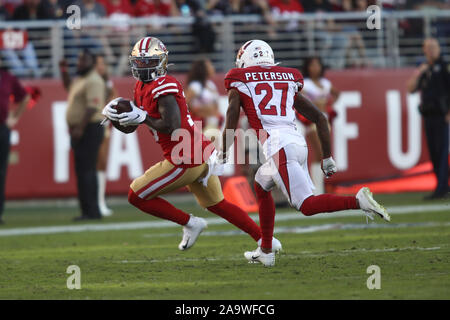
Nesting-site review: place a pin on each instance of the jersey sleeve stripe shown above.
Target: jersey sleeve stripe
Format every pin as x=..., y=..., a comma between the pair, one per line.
x=164, y=86
x=166, y=91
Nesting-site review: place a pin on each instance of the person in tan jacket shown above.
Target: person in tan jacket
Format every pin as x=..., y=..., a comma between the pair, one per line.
x=85, y=103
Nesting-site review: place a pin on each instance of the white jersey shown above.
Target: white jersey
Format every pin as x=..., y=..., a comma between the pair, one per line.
x=317, y=93
x=267, y=95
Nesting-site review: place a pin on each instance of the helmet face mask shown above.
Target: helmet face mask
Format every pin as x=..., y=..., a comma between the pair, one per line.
x=254, y=53
x=148, y=59
x=145, y=69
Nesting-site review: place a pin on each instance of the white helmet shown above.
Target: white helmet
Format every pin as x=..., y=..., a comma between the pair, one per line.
x=254, y=53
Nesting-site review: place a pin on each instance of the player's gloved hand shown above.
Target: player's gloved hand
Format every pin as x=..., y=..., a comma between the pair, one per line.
x=109, y=112
x=132, y=118
x=329, y=167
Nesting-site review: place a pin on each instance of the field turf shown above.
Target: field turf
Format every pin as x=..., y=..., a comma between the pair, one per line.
x=323, y=258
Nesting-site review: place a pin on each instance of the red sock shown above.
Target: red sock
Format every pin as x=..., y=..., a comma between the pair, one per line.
x=238, y=217
x=266, y=215
x=158, y=207
x=327, y=203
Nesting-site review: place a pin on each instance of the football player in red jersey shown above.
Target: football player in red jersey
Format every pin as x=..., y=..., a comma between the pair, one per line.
x=269, y=96
x=159, y=103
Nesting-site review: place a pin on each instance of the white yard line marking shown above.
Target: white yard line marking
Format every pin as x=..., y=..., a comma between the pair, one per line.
x=291, y=215
x=301, y=254
x=313, y=228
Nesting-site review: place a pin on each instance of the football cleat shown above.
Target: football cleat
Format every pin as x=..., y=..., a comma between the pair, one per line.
x=267, y=259
x=369, y=206
x=191, y=231
x=276, y=245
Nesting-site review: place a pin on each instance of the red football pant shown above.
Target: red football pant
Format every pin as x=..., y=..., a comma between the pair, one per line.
x=327, y=203
x=237, y=217
x=158, y=207
x=266, y=215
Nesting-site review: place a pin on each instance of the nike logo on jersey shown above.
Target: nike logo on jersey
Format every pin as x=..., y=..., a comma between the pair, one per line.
x=159, y=82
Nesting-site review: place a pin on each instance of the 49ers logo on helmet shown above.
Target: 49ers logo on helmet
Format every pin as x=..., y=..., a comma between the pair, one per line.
x=162, y=46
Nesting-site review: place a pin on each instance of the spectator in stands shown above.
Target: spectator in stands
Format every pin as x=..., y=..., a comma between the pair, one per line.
x=202, y=96
x=287, y=9
x=234, y=7
x=9, y=86
x=85, y=103
x=280, y=7
x=341, y=42
x=91, y=10
x=4, y=13
x=120, y=13
x=202, y=29
x=322, y=93
x=24, y=62
x=163, y=8
x=316, y=6
x=33, y=10
x=89, y=38
x=432, y=80
x=58, y=8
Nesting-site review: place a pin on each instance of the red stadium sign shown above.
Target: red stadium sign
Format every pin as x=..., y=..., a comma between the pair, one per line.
x=377, y=133
x=13, y=39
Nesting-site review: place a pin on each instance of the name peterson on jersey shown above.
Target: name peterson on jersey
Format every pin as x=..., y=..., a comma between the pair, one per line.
x=267, y=96
x=146, y=96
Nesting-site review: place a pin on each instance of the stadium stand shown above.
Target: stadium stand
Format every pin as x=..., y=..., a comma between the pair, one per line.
x=334, y=29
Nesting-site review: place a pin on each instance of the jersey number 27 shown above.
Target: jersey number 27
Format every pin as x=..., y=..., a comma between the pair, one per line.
x=268, y=95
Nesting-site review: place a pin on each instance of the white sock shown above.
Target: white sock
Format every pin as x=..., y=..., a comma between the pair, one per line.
x=317, y=178
x=190, y=223
x=101, y=178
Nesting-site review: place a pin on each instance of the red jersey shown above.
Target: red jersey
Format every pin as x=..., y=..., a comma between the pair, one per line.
x=187, y=147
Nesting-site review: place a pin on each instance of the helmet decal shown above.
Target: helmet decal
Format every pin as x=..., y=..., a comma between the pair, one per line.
x=253, y=53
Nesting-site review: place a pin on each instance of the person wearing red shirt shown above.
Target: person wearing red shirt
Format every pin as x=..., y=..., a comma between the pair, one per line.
x=286, y=6
x=153, y=7
x=117, y=6
x=10, y=91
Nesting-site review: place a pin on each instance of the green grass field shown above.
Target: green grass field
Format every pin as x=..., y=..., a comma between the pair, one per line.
x=323, y=258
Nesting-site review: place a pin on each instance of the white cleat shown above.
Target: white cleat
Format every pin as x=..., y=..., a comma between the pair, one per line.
x=191, y=231
x=370, y=206
x=276, y=245
x=267, y=259
x=105, y=211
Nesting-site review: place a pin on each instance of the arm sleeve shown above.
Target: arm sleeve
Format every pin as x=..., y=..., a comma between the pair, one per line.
x=18, y=91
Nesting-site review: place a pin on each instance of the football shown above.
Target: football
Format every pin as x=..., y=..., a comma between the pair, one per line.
x=122, y=106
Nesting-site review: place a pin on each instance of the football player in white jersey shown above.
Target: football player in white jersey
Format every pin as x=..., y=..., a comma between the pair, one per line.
x=269, y=95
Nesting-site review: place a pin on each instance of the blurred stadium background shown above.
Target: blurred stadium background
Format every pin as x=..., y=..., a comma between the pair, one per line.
x=377, y=139
x=369, y=67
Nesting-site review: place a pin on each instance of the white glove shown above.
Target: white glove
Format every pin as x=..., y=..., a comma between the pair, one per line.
x=215, y=167
x=109, y=112
x=132, y=118
x=329, y=167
